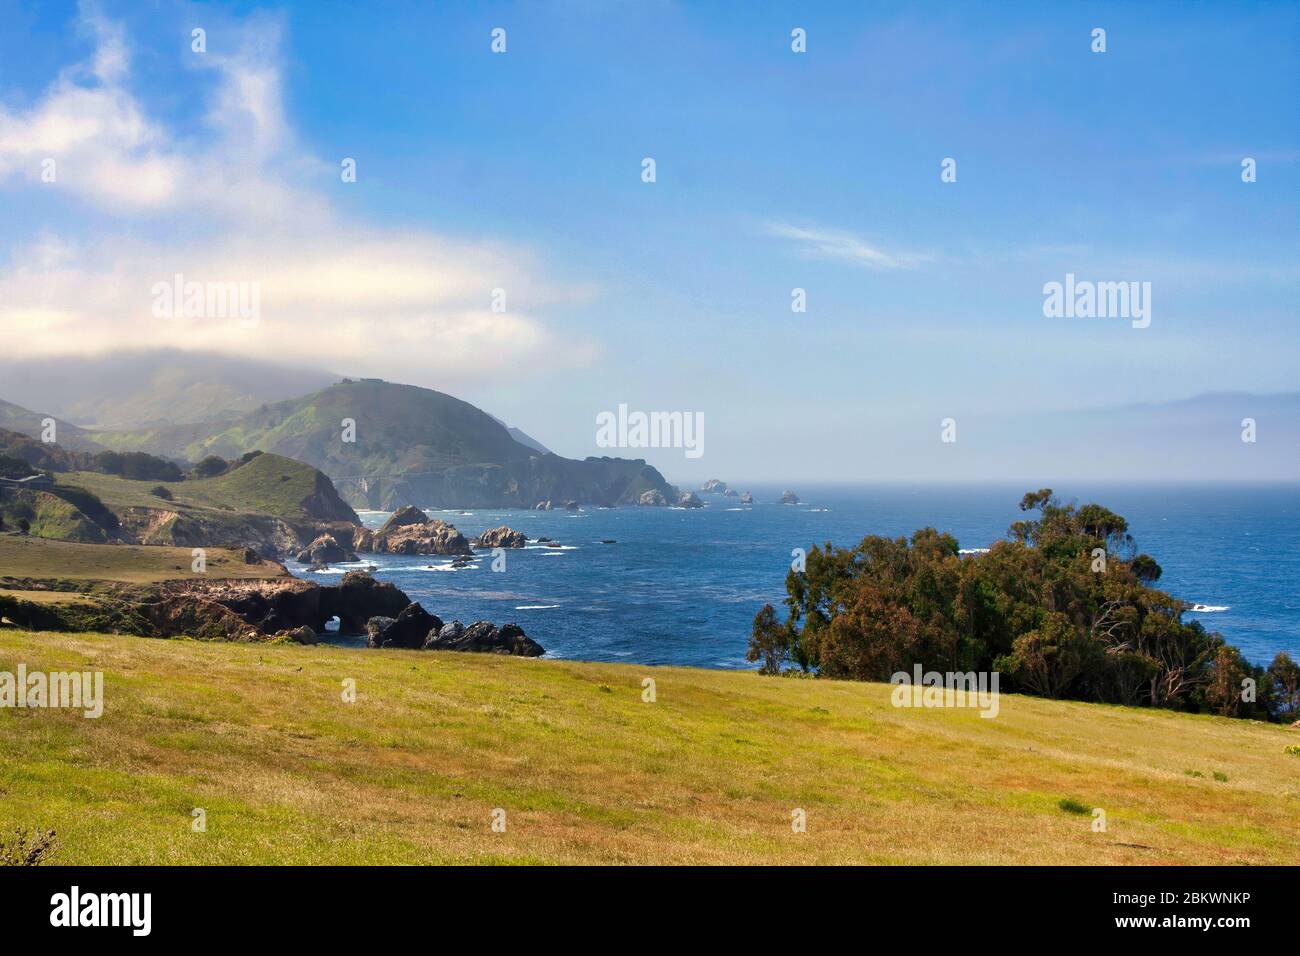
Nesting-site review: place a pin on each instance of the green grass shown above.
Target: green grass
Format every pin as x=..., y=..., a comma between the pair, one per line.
x=48, y=517
x=39, y=558
x=586, y=771
x=267, y=485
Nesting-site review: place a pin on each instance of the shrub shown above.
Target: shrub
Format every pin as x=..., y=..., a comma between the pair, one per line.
x=161, y=492
x=1073, y=806
x=26, y=848
x=210, y=467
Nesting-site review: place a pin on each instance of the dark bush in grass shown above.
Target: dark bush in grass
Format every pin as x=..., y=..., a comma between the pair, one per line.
x=160, y=492
x=1070, y=805
x=210, y=467
x=89, y=505
x=26, y=848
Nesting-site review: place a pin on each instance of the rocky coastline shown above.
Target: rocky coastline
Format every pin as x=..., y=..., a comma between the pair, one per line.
x=283, y=608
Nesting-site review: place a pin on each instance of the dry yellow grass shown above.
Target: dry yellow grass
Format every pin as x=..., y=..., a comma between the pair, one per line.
x=286, y=771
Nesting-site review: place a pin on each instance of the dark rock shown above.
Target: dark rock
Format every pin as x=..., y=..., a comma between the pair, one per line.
x=689, y=499
x=731, y=493
x=652, y=498
x=450, y=632
x=483, y=637
x=570, y=506
x=502, y=537
x=746, y=499
x=325, y=550
x=374, y=628
x=714, y=486
x=409, y=630
x=543, y=506
x=511, y=639
x=789, y=498
x=358, y=598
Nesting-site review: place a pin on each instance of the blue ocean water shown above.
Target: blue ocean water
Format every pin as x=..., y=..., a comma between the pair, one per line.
x=682, y=586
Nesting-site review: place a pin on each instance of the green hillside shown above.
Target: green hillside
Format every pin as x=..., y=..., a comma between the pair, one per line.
x=397, y=427
x=587, y=771
x=268, y=485
x=47, y=516
x=412, y=446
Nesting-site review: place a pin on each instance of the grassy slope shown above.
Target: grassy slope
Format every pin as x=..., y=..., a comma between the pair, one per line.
x=399, y=428
x=49, y=517
x=268, y=485
x=24, y=557
x=287, y=772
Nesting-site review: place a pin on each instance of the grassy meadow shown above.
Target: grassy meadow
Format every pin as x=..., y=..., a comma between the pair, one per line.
x=259, y=737
x=41, y=558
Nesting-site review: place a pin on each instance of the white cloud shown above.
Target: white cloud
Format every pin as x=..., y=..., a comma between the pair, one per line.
x=242, y=207
x=817, y=243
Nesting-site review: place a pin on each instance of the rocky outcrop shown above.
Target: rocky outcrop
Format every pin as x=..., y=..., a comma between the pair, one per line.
x=543, y=506
x=652, y=498
x=229, y=610
x=689, y=499
x=325, y=550
x=410, y=531
x=570, y=505
x=731, y=493
x=272, y=537
x=485, y=638
x=502, y=537
x=404, y=517
x=410, y=629
x=714, y=486
x=358, y=598
x=789, y=498
x=300, y=635
x=746, y=499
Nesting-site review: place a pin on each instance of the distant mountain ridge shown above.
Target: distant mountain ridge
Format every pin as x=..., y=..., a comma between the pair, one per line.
x=137, y=389
x=386, y=445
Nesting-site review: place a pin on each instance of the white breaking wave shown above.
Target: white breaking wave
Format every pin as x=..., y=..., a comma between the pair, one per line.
x=536, y=607
x=1207, y=608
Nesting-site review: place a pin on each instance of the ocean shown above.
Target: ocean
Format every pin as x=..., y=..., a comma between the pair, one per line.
x=681, y=586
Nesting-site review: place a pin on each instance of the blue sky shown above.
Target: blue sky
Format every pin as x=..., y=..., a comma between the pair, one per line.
x=775, y=170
